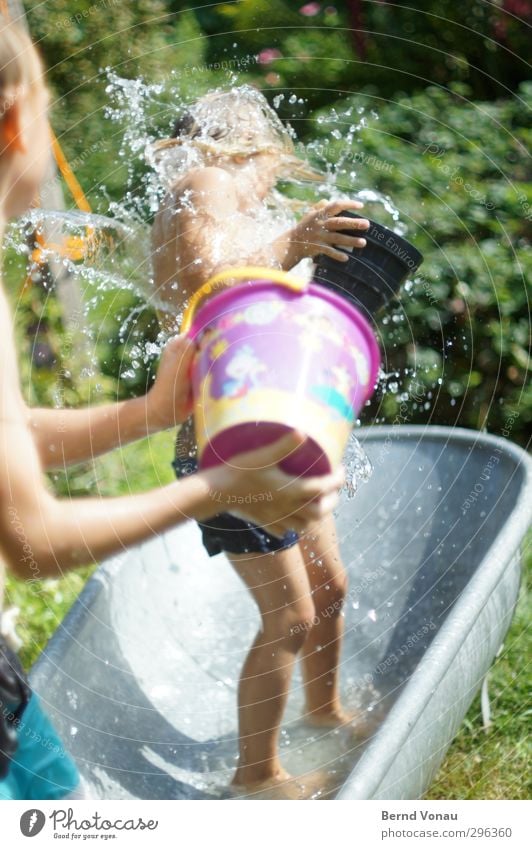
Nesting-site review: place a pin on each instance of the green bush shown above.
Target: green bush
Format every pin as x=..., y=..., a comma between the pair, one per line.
x=460, y=176
x=389, y=47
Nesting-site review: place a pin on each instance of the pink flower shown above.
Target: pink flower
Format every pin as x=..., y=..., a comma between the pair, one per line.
x=310, y=9
x=268, y=55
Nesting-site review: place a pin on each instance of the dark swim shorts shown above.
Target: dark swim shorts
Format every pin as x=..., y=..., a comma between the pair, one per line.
x=227, y=533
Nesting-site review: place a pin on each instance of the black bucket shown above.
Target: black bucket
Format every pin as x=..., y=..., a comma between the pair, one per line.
x=372, y=275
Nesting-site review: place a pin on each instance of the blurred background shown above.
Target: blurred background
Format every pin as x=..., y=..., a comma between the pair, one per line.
x=424, y=112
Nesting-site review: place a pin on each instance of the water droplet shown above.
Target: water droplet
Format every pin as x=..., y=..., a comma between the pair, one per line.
x=358, y=468
x=72, y=699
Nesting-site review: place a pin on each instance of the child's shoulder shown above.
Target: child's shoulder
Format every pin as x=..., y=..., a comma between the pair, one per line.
x=205, y=188
x=206, y=178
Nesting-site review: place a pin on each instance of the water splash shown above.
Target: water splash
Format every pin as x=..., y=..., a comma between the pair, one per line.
x=358, y=467
x=106, y=253
x=118, y=255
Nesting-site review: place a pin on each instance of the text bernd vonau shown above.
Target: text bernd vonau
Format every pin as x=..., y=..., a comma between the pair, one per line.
x=413, y=815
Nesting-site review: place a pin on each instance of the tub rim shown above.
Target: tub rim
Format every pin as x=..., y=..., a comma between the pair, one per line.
x=382, y=751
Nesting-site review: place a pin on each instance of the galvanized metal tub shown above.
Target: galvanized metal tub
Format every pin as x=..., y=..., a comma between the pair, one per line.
x=141, y=677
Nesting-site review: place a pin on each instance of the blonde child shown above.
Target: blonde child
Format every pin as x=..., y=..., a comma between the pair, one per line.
x=221, y=169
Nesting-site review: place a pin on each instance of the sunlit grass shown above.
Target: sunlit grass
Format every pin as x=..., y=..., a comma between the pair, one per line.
x=496, y=764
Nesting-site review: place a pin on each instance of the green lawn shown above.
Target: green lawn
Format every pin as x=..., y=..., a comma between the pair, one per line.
x=478, y=765
x=496, y=765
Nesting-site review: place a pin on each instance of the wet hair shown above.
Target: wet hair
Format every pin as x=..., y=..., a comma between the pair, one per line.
x=228, y=123
x=19, y=61
x=187, y=126
x=238, y=121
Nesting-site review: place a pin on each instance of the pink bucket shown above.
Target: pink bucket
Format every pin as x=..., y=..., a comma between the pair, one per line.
x=276, y=354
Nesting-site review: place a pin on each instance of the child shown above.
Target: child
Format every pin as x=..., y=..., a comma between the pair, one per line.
x=222, y=167
x=41, y=536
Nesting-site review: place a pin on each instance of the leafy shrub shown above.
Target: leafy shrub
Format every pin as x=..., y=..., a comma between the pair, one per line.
x=460, y=176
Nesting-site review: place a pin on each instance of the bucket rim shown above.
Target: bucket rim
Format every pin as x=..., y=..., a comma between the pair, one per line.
x=401, y=242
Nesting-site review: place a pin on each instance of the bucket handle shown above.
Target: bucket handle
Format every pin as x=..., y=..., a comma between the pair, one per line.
x=296, y=284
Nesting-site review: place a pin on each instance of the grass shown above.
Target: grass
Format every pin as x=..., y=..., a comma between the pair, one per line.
x=496, y=764
x=478, y=765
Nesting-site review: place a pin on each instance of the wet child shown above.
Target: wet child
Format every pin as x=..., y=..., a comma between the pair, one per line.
x=41, y=536
x=222, y=211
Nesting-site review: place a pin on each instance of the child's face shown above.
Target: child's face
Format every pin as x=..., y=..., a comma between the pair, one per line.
x=27, y=158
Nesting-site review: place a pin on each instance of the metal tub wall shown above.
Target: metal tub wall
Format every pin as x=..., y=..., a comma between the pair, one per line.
x=141, y=677
x=405, y=756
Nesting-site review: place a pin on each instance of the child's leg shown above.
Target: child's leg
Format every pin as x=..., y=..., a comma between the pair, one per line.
x=280, y=586
x=321, y=654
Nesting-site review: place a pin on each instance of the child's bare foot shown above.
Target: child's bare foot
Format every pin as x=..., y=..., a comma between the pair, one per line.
x=358, y=722
x=284, y=786
x=331, y=718
x=240, y=780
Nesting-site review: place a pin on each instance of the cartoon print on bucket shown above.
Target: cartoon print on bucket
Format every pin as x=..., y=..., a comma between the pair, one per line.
x=335, y=391
x=243, y=370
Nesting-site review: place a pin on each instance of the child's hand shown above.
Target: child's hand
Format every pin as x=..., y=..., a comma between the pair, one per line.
x=317, y=232
x=254, y=488
x=169, y=401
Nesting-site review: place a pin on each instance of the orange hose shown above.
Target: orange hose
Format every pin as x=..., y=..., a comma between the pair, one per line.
x=68, y=175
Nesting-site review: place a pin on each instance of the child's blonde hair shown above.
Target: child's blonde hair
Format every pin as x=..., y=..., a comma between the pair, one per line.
x=19, y=63
x=237, y=122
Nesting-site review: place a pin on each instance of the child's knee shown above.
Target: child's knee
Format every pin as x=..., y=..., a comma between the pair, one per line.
x=329, y=597
x=294, y=622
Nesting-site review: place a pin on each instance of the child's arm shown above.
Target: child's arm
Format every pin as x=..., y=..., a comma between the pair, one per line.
x=207, y=232
x=41, y=536
x=64, y=437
